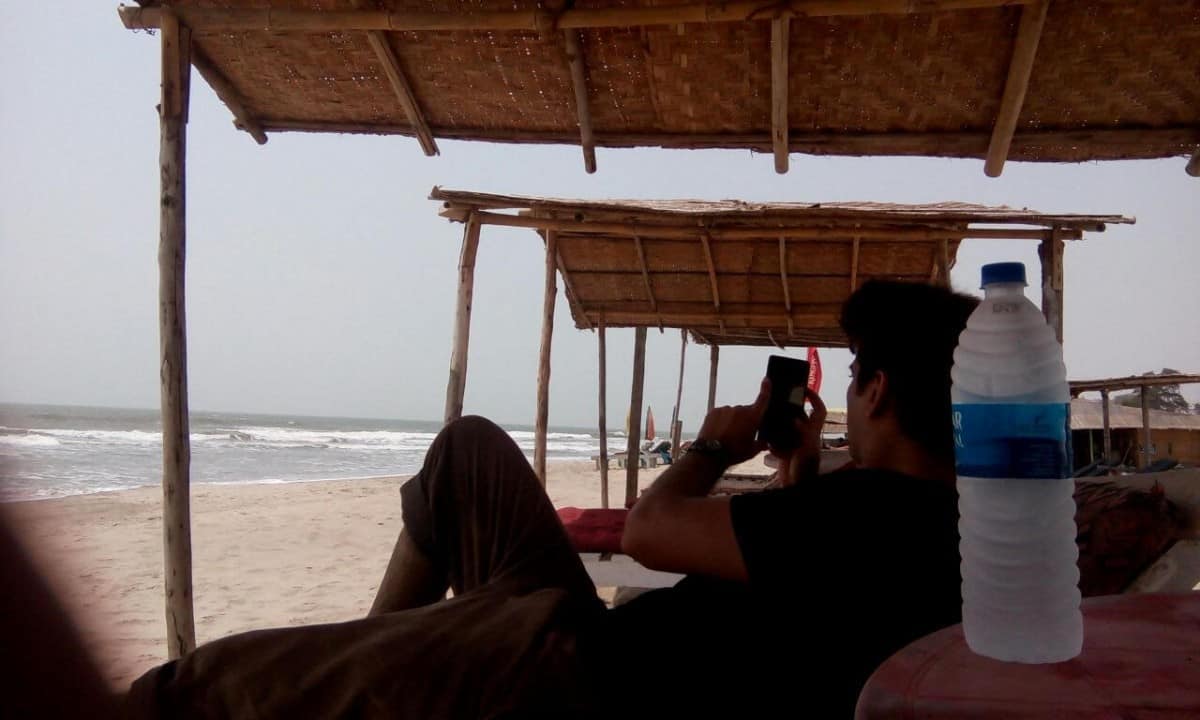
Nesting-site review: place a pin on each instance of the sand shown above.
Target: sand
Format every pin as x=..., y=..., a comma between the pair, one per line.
x=263, y=555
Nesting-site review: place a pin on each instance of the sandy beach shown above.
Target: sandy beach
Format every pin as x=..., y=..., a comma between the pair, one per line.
x=264, y=555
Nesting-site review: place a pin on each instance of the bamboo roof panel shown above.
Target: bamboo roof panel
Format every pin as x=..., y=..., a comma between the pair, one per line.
x=1111, y=79
x=741, y=273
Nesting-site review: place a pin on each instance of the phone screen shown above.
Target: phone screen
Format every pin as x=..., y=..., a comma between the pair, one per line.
x=789, y=378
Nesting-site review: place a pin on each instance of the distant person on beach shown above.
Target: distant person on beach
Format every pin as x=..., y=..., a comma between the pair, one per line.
x=792, y=597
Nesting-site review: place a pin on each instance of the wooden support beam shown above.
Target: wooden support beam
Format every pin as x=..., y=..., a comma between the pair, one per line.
x=587, y=139
x=456, y=386
x=780, y=30
x=1193, y=166
x=603, y=417
x=1147, y=448
x=641, y=253
x=176, y=45
x=569, y=291
x=1107, y=427
x=403, y=89
x=722, y=318
x=541, y=422
x=1050, y=253
x=678, y=395
x=714, y=357
x=787, y=295
x=944, y=264
x=712, y=276
x=854, y=265
x=791, y=232
x=1029, y=34
x=633, y=448
x=304, y=20
x=242, y=119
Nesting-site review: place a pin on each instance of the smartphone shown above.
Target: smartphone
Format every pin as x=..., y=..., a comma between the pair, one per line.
x=789, y=378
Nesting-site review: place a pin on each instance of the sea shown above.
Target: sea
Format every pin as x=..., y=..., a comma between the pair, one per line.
x=53, y=451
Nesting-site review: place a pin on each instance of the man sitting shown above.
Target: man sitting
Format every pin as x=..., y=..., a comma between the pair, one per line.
x=793, y=596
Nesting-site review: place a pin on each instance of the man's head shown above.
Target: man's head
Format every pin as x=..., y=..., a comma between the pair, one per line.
x=903, y=337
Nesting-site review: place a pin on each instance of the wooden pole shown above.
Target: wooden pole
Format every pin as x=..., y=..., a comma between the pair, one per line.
x=633, y=449
x=457, y=385
x=1147, y=450
x=1050, y=253
x=303, y=20
x=918, y=233
x=242, y=119
x=678, y=395
x=1193, y=166
x=943, y=262
x=1029, y=34
x=403, y=90
x=603, y=419
x=543, y=387
x=583, y=113
x=1107, y=427
x=172, y=326
x=779, y=91
x=854, y=265
x=714, y=356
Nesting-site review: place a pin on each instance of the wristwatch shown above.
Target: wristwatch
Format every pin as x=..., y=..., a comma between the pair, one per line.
x=711, y=448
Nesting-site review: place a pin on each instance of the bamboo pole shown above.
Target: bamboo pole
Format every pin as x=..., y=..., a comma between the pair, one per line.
x=641, y=253
x=403, y=89
x=917, y=233
x=543, y=387
x=943, y=251
x=1050, y=253
x=569, y=291
x=172, y=252
x=754, y=319
x=1147, y=451
x=603, y=418
x=298, y=20
x=779, y=92
x=678, y=395
x=1105, y=144
x=714, y=356
x=712, y=277
x=787, y=294
x=1029, y=34
x=242, y=119
x=1107, y=427
x=456, y=387
x=1193, y=166
x=854, y=265
x=587, y=139
x=633, y=449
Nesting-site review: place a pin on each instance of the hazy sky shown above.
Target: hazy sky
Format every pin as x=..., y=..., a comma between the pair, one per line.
x=321, y=280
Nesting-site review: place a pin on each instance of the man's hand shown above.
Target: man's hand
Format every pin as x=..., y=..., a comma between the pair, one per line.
x=735, y=427
x=803, y=462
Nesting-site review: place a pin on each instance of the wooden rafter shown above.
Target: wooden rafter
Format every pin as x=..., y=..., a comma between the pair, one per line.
x=538, y=20
x=709, y=319
x=854, y=265
x=776, y=343
x=242, y=119
x=1029, y=34
x=798, y=232
x=787, y=294
x=579, y=80
x=779, y=92
x=403, y=89
x=641, y=253
x=712, y=276
x=569, y=290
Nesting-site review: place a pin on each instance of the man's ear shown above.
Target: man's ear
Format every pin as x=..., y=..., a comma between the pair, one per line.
x=876, y=395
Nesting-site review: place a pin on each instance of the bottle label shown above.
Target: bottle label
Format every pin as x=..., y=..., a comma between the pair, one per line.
x=1004, y=440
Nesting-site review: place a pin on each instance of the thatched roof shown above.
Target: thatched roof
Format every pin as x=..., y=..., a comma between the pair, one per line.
x=955, y=78
x=1089, y=415
x=739, y=273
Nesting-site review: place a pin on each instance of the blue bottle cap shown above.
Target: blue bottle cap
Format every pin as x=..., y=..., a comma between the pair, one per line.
x=1004, y=272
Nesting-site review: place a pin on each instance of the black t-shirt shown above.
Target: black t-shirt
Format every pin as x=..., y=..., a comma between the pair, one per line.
x=843, y=572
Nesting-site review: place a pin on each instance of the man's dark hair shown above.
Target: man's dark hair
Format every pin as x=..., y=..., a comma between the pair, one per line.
x=908, y=331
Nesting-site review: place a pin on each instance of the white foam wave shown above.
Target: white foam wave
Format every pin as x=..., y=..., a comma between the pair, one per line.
x=31, y=440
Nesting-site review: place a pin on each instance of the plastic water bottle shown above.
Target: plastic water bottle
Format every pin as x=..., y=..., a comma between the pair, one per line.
x=1012, y=413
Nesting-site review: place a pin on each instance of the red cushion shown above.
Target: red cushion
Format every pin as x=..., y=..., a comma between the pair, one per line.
x=594, y=530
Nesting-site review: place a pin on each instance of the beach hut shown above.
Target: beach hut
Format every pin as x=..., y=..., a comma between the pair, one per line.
x=1177, y=435
x=947, y=78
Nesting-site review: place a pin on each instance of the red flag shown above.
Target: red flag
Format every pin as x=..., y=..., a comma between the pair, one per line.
x=814, y=370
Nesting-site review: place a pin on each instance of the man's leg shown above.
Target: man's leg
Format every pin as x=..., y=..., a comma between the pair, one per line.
x=475, y=515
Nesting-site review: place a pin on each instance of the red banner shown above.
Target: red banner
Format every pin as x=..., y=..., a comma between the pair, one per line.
x=814, y=370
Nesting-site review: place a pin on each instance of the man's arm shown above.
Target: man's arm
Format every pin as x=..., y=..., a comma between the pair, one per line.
x=675, y=526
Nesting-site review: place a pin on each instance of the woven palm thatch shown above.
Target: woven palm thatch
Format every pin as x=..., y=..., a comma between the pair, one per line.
x=739, y=273
x=1110, y=78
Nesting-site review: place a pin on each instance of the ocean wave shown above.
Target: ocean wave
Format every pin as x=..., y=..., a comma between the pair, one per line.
x=27, y=440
